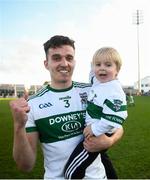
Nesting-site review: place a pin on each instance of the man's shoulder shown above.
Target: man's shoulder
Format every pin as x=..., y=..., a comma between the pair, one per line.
x=39, y=93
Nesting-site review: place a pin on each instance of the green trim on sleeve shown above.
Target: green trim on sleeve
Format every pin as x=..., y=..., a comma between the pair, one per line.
x=113, y=118
x=31, y=129
x=94, y=111
x=116, y=106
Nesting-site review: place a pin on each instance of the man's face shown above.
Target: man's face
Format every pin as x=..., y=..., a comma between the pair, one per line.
x=60, y=63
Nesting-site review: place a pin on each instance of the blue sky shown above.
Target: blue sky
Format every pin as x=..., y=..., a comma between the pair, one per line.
x=26, y=24
x=24, y=16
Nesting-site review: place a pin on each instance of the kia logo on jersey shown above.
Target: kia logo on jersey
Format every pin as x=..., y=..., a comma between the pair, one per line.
x=71, y=126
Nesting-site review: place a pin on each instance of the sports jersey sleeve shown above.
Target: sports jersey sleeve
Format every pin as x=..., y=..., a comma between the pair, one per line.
x=30, y=124
x=114, y=113
x=101, y=127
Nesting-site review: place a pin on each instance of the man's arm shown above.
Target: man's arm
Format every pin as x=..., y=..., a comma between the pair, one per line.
x=24, y=149
x=25, y=144
x=102, y=142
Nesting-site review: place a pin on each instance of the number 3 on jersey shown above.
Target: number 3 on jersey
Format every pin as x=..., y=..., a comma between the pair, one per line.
x=67, y=104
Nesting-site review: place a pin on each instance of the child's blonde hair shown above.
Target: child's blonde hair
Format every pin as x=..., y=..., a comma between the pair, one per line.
x=108, y=53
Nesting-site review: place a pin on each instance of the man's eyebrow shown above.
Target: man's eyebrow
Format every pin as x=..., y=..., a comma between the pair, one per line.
x=56, y=55
x=69, y=55
x=61, y=55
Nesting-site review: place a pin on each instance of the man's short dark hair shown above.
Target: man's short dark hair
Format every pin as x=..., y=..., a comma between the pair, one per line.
x=58, y=41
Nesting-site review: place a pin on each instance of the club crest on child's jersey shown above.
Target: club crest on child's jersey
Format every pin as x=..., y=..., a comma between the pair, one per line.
x=117, y=104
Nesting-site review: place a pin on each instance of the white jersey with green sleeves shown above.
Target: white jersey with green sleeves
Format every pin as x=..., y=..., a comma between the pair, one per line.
x=107, y=107
x=59, y=117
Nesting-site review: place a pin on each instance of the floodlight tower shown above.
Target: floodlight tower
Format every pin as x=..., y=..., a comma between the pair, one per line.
x=137, y=20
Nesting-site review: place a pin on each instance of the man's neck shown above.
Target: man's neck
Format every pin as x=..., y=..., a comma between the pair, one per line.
x=61, y=85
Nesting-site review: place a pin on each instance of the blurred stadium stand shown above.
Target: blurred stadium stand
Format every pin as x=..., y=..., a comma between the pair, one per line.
x=16, y=90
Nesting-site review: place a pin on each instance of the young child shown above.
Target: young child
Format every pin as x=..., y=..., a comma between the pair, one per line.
x=106, y=108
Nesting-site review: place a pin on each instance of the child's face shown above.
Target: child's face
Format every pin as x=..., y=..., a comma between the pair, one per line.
x=105, y=70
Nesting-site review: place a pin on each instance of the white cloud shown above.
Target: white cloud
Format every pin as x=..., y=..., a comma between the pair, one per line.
x=22, y=61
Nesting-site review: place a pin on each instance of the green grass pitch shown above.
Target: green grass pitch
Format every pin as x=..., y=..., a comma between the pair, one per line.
x=130, y=156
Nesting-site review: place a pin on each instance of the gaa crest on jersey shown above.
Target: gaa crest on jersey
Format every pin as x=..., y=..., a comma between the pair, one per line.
x=83, y=97
x=45, y=105
x=117, y=104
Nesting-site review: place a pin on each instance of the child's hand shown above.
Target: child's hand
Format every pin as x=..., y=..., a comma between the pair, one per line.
x=88, y=131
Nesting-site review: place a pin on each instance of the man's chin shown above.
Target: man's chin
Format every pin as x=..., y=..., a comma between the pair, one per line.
x=64, y=81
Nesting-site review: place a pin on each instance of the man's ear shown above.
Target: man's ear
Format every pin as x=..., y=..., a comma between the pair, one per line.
x=46, y=63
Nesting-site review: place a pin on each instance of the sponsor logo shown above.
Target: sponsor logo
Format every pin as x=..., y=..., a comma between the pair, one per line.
x=64, y=98
x=66, y=118
x=45, y=105
x=69, y=123
x=114, y=119
x=71, y=126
